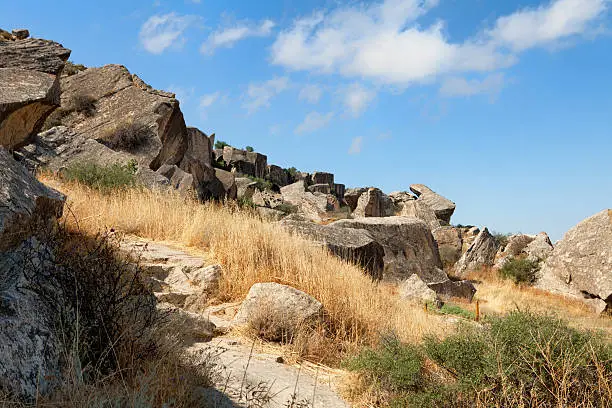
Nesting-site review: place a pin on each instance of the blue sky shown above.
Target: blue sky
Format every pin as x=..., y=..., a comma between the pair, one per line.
x=504, y=107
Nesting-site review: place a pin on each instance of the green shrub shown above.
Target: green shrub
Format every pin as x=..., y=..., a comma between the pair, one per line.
x=105, y=178
x=452, y=309
x=520, y=270
x=293, y=172
x=501, y=238
x=128, y=136
x=393, y=366
x=246, y=203
x=220, y=144
x=249, y=149
x=262, y=185
x=70, y=68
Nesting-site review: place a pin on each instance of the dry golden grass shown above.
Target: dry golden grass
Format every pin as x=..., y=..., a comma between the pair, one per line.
x=252, y=251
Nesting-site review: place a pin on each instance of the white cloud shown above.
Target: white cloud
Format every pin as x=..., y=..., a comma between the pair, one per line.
x=311, y=94
x=206, y=101
x=384, y=41
x=227, y=37
x=547, y=24
x=455, y=86
x=356, y=145
x=160, y=32
x=356, y=99
x=260, y=94
x=313, y=122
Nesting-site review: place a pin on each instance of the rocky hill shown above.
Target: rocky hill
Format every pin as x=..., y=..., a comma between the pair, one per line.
x=53, y=119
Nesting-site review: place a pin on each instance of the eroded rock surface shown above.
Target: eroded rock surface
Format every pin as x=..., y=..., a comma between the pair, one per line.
x=443, y=207
x=480, y=254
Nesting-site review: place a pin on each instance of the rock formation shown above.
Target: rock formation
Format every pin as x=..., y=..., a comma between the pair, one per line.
x=29, y=74
x=580, y=265
x=449, y=244
x=408, y=244
x=480, y=254
x=443, y=207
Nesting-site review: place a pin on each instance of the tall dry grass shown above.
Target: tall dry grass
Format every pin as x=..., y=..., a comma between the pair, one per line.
x=252, y=251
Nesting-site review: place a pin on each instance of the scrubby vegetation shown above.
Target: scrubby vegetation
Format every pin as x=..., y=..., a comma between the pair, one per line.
x=82, y=103
x=262, y=185
x=105, y=178
x=128, y=136
x=249, y=149
x=116, y=348
x=220, y=144
x=520, y=270
x=293, y=172
x=71, y=68
x=522, y=359
x=501, y=238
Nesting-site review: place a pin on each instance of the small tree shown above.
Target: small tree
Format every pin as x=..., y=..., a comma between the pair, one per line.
x=249, y=149
x=220, y=144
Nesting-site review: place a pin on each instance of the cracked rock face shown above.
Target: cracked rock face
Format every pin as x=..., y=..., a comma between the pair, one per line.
x=580, y=265
x=30, y=91
x=480, y=253
x=29, y=353
x=442, y=207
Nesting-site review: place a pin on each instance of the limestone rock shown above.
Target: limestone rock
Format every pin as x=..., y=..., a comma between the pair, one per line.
x=540, y=248
x=338, y=190
x=420, y=210
x=517, y=243
x=415, y=290
x=319, y=177
x=179, y=180
x=480, y=253
x=443, y=207
x=449, y=244
x=26, y=99
x=281, y=307
x=580, y=265
x=267, y=199
x=408, y=244
x=189, y=327
x=20, y=33
x=373, y=203
x=224, y=185
x=351, y=196
x=320, y=188
x=277, y=175
x=448, y=289
x=247, y=163
x=314, y=206
x=29, y=351
x=23, y=200
x=353, y=245
x=270, y=214
x=246, y=188
x=34, y=55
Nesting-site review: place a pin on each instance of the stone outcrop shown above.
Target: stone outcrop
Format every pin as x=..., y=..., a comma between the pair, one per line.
x=420, y=210
x=338, y=190
x=244, y=162
x=319, y=177
x=443, y=207
x=408, y=244
x=245, y=188
x=540, y=248
x=179, y=180
x=351, y=196
x=480, y=254
x=415, y=290
x=279, y=307
x=449, y=244
x=320, y=188
x=353, y=245
x=449, y=289
x=277, y=175
x=29, y=74
x=223, y=186
x=373, y=203
x=29, y=350
x=315, y=206
x=580, y=265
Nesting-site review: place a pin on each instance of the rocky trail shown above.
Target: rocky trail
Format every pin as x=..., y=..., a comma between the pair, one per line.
x=247, y=373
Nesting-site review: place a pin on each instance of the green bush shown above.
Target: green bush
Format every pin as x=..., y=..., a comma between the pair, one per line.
x=393, y=366
x=521, y=359
x=451, y=309
x=262, y=185
x=71, y=68
x=105, y=178
x=246, y=203
x=287, y=208
x=501, y=238
x=81, y=103
x=249, y=149
x=220, y=144
x=293, y=172
x=520, y=270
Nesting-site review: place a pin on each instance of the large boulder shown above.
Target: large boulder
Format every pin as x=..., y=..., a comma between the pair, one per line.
x=540, y=248
x=315, y=206
x=580, y=265
x=277, y=175
x=29, y=351
x=415, y=290
x=420, y=210
x=374, y=203
x=480, y=254
x=351, y=196
x=339, y=190
x=223, y=186
x=276, y=310
x=197, y=161
x=319, y=177
x=178, y=179
x=244, y=162
x=448, y=289
x=443, y=207
x=449, y=244
x=408, y=244
x=246, y=188
x=29, y=70
x=353, y=245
